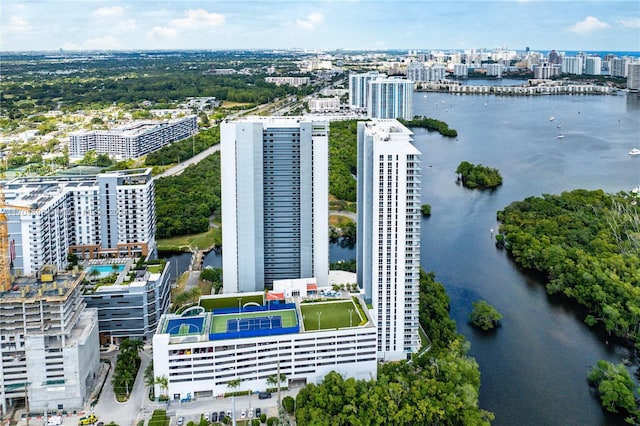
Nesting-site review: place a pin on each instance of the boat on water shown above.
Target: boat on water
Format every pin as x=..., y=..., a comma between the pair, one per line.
x=560, y=136
x=634, y=151
x=552, y=118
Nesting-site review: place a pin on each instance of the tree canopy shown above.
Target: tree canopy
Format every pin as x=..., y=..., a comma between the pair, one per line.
x=484, y=315
x=343, y=161
x=185, y=202
x=478, y=176
x=588, y=245
x=430, y=124
x=615, y=387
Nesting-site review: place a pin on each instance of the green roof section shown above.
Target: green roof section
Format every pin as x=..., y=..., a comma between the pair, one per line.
x=330, y=315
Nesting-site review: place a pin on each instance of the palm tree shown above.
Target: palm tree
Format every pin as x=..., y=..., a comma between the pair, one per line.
x=233, y=384
x=163, y=382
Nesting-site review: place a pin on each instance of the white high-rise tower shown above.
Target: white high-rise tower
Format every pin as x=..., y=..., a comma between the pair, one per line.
x=388, y=249
x=390, y=98
x=275, y=212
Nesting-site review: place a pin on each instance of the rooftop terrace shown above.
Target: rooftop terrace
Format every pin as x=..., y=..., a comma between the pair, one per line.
x=251, y=315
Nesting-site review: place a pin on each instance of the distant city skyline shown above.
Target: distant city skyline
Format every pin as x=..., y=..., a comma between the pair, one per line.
x=319, y=24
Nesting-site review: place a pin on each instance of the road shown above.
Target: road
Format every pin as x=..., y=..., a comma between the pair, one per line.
x=124, y=413
x=179, y=168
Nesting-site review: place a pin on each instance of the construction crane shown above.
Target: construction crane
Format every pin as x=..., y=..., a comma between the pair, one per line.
x=5, y=256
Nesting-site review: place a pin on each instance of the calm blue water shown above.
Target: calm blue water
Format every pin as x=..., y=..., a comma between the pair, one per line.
x=534, y=367
x=105, y=270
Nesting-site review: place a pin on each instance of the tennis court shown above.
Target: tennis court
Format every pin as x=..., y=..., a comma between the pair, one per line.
x=253, y=321
x=259, y=323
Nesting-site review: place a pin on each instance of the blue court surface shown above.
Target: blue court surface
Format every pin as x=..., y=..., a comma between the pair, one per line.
x=258, y=323
x=184, y=326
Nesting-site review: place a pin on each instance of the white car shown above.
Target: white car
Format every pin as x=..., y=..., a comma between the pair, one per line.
x=243, y=414
x=250, y=413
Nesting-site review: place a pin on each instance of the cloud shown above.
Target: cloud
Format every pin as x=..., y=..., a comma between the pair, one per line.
x=312, y=20
x=630, y=23
x=588, y=25
x=125, y=26
x=18, y=24
x=108, y=12
x=198, y=18
x=162, y=33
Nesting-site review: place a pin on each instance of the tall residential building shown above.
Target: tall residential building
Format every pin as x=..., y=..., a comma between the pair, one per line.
x=633, y=77
x=359, y=88
x=133, y=140
x=390, y=98
x=388, y=250
x=494, y=70
x=593, y=65
x=111, y=214
x=275, y=211
x=546, y=71
x=460, y=70
x=618, y=67
x=49, y=349
x=572, y=65
x=417, y=71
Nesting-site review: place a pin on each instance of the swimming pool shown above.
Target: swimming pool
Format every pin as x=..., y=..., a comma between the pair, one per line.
x=104, y=270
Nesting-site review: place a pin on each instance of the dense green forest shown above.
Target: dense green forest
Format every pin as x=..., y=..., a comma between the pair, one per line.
x=438, y=387
x=588, y=245
x=430, y=124
x=185, y=202
x=184, y=149
x=30, y=87
x=478, y=176
x=343, y=161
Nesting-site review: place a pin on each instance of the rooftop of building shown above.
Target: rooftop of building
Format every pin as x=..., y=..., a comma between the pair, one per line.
x=244, y=315
x=134, y=128
x=119, y=274
x=48, y=285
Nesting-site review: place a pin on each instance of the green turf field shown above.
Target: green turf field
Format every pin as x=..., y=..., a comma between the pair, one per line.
x=333, y=315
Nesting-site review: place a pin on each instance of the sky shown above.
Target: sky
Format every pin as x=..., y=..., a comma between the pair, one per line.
x=607, y=25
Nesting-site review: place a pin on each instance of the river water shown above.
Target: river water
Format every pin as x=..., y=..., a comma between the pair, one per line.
x=534, y=366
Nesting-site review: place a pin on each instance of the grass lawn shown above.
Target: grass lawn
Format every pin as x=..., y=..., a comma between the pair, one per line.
x=333, y=315
x=202, y=241
x=231, y=104
x=338, y=220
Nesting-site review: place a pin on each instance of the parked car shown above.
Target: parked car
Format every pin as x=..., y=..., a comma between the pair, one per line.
x=264, y=395
x=243, y=414
x=258, y=412
x=214, y=417
x=180, y=421
x=206, y=416
x=87, y=420
x=250, y=413
x=221, y=415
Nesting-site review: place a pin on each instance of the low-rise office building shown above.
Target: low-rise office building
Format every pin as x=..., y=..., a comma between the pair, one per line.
x=131, y=307
x=253, y=336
